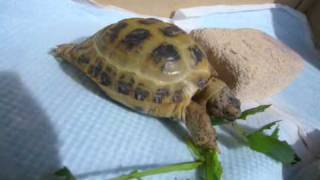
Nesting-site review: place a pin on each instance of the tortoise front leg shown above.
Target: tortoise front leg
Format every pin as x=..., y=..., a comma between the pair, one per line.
x=198, y=122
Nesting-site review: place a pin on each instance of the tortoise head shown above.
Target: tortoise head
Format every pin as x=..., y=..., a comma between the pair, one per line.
x=224, y=105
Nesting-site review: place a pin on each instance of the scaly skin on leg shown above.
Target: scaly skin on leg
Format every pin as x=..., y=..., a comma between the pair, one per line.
x=199, y=125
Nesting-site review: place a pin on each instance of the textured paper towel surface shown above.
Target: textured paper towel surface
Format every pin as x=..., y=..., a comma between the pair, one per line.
x=53, y=116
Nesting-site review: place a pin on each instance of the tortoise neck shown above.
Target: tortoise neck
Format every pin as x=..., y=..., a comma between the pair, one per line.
x=211, y=91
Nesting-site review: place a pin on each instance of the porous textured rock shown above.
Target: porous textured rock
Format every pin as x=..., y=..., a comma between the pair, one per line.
x=252, y=63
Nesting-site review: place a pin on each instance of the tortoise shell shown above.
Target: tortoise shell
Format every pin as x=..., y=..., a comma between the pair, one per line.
x=145, y=64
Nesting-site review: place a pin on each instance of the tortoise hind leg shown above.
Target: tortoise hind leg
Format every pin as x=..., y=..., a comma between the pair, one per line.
x=198, y=122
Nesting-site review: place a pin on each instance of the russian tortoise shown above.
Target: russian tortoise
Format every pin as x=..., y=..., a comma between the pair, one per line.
x=158, y=69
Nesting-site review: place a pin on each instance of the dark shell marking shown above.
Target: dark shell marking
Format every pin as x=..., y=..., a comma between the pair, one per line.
x=202, y=83
x=124, y=87
x=166, y=52
x=172, y=31
x=125, y=84
x=135, y=38
x=149, y=21
x=105, y=79
x=83, y=59
x=196, y=54
x=95, y=70
x=107, y=75
x=115, y=30
x=110, y=71
x=160, y=95
x=177, y=96
x=141, y=94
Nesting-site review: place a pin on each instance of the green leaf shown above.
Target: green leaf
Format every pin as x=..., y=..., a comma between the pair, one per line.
x=213, y=167
x=215, y=121
x=65, y=173
x=271, y=145
x=242, y=134
x=249, y=112
x=278, y=150
x=275, y=133
x=170, y=168
x=195, y=150
x=267, y=126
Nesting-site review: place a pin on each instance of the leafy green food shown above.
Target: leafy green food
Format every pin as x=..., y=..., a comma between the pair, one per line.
x=170, y=168
x=65, y=173
x=207, y=161
x=271, y=145
x=195, y=150
x=240, y=132
x=215, y=121
x=268, y=126
x=213, y=167
x=275, y=133
x=249, y=112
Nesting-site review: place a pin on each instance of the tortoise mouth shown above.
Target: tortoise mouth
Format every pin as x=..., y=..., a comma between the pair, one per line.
x=232, y=112
x=224, y=105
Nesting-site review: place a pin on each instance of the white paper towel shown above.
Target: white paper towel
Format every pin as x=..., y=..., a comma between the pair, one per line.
x=52, y=115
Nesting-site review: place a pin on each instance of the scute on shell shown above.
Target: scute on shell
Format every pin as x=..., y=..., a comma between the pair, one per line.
x=145, y=64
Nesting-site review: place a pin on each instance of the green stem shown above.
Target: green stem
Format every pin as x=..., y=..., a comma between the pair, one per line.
x=241, y=132
x=170, y=168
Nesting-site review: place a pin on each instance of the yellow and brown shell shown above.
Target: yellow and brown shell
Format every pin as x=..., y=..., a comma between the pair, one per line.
x=145, y=64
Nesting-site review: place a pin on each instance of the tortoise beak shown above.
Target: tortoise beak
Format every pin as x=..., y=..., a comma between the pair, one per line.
x=232, y=113
x=225, y=106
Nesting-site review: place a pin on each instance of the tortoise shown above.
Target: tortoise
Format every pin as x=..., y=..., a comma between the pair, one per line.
x=156, y=68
